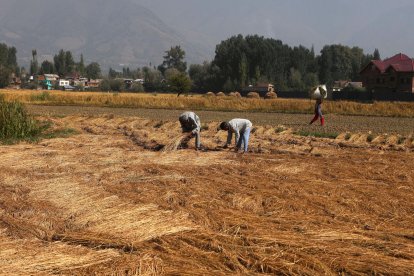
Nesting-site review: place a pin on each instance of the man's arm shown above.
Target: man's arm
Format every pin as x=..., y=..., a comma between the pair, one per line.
x=236, y=136
x=229, y=136
x=197, y=125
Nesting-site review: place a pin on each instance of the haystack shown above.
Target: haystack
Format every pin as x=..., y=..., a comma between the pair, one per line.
x=253, y=95
x=220, y=94
x=235, y=94
x=210, y=94
x=271, y=95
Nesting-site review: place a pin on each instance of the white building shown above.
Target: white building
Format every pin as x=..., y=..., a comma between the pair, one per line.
x=64, y=83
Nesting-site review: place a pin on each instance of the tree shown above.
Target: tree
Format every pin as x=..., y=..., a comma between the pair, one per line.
x=47, y=67
x=112, y=74
x=34, y=65
x=376, y=54
x=174, y=58
x=152, y=79
x=60, y=63
x=81, y=66
x=4, y=76
x=93, y=71
x=179, y=83
x=295, y=79
x=70, y=63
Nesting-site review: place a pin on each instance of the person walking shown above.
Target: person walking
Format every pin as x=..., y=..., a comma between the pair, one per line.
x=241, y=129
x=318, y=112
x=190, y=123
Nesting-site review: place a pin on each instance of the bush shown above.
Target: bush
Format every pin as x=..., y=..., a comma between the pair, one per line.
x=15, y=123
x=136, y=87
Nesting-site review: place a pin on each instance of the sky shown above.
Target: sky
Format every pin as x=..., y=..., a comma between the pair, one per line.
x=137, y=32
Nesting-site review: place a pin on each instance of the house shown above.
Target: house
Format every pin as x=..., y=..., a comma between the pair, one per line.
x=63, y=82
x=14, y=81
x=51, y=77
x=395, y=74
x=94, y=83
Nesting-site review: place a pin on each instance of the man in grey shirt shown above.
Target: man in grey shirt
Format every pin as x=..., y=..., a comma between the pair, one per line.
x=190, y=123
x=241, y=129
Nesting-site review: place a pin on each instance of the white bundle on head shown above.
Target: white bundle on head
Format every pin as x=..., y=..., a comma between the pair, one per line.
x=319, y=92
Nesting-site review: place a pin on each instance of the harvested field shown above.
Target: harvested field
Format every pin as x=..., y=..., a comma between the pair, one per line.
x=110, y=201
x=297, y=122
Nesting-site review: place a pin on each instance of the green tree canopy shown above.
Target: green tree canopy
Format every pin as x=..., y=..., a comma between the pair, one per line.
x=47, y=67
x=174, y=58
x=93, y=71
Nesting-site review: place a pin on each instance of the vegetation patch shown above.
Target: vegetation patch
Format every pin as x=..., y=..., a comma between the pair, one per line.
x=41, y=97
x=16, y=123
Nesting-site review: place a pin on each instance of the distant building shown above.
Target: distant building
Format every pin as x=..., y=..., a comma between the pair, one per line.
x=395, y=74
x=94, y=83
x=63, y=82
x=51, y=77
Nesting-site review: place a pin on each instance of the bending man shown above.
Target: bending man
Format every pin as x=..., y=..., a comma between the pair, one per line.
x=241, y=129
x=190, y=123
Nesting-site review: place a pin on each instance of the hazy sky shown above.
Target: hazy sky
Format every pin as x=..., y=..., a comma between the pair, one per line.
x=383, y=24
x=137, y=32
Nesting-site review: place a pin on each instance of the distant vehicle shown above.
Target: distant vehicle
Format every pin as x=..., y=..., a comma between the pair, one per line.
x=68, y=88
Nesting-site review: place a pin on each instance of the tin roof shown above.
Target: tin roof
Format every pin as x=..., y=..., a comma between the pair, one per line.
x=399, y=62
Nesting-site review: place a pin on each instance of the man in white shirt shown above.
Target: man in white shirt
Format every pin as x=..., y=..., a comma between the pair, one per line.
x=241, y=129
x=190, y=123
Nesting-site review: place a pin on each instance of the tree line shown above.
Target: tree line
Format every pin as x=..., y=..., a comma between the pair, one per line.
x=239, y=61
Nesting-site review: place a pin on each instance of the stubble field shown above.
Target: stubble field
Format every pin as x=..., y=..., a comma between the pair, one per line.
x=109, y=200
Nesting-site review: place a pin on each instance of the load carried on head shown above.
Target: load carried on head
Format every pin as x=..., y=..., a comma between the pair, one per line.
x=319, y=92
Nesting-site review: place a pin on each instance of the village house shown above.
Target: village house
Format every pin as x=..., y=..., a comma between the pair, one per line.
x=395, y=74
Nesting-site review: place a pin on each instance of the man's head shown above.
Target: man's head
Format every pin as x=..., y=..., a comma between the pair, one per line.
x=224, y=126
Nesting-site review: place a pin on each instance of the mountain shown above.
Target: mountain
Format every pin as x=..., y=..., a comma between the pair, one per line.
x=138, y=32
x=369, y=24
x=110, y=32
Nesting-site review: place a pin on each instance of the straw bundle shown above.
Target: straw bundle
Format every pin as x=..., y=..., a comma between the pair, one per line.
x=175, y=143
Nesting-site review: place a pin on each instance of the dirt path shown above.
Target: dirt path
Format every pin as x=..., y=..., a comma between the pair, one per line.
x=334, y=123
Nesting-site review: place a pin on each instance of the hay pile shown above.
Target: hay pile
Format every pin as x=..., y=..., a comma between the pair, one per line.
x=220, y=94
x=175, y=143
x=271, y=95
x=235, y=94
x=253, y=95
